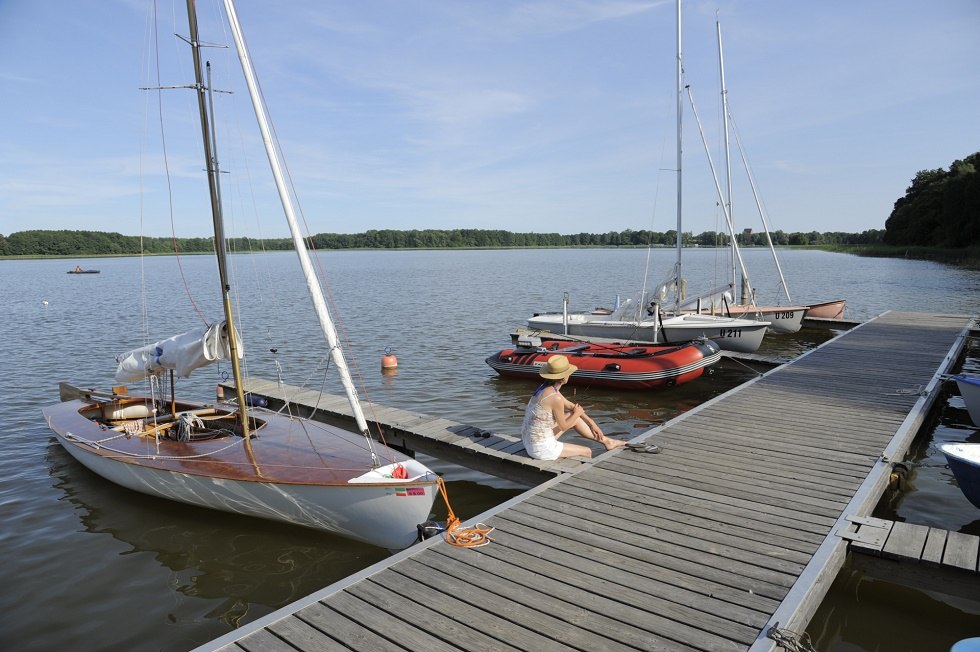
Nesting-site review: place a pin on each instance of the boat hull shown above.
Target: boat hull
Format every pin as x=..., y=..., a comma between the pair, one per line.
x=970, y=391
x=964, y=462
x=281, y=485
x=730, y=333
x=827, y=309
x=621, y=367
x=782, y=319
x=592, y=325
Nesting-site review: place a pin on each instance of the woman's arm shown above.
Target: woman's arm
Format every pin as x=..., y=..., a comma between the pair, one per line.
x=564, y=411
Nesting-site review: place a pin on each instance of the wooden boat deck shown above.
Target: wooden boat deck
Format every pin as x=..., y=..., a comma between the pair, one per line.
x=729, y=531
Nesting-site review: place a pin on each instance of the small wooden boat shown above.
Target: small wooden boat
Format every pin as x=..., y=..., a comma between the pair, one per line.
x=621, y=366
x=827, y=309
x=970, y=391
x=964, y=462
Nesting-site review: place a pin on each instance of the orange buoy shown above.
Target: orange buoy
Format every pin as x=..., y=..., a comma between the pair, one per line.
x=221, y=393
x=388, y=361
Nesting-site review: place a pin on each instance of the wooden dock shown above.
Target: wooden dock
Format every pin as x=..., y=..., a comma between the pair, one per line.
x=931, y=559
x=731, y=530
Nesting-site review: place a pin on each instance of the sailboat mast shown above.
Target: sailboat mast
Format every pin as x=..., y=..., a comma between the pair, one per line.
x=680, y=111
x=721, y=195
x=219, y=231
x=312, y=282
x=728, y=158
x=762, y=214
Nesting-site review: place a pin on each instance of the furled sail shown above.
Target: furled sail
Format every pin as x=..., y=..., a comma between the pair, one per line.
x=183, y=353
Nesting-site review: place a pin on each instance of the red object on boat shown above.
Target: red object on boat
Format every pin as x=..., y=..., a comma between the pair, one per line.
x=611, y=365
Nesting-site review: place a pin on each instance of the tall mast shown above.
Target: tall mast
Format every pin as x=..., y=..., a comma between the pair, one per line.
x=680, y=111
x=728, y=158
x=312, y=282
x=762, y=214
x=220, y=249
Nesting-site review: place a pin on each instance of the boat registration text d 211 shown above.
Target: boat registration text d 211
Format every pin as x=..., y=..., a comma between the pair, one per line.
x=730, y=332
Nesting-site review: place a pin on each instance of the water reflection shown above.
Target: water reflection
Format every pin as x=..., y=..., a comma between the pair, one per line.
x=870, y=614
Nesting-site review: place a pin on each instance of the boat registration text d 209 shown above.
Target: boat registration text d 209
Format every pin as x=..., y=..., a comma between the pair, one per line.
x=784, y=315
x=730, y=332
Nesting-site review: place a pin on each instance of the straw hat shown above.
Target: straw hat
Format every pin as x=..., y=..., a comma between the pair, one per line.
x=557, y=367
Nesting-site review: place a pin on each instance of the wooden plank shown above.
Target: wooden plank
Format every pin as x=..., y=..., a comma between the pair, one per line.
x=423, y=617
x=578, y=545
x=361, y=626
x=678, y=522
x=749, y=522
x=724, y=489
x=749, y=510
x=704, y=542
x=662, y=632
x=566, y=622
x=932, y=553
x=262, y=641
x=961, y=551
x=452, y=606
x=906, y=540
x=303, y=636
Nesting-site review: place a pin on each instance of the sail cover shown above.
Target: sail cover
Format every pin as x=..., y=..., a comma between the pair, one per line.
x=183, y=353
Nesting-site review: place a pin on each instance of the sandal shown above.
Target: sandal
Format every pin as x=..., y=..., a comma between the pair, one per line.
x=653, y=449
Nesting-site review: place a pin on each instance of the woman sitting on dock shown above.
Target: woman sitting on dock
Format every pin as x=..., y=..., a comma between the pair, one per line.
x=550, y=415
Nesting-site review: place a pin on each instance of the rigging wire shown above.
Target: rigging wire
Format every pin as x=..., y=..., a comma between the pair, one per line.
x=166, y=164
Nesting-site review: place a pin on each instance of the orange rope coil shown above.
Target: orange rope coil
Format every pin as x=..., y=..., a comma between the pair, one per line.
x=467, y=537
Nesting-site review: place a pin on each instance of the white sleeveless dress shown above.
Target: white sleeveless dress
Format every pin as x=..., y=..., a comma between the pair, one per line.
x=538, y=431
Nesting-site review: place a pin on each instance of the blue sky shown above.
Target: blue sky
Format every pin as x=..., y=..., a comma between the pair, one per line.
x=542, y=115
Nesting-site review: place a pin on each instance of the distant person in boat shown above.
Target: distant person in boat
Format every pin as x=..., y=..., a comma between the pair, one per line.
x=78, y=268
x=550, y=415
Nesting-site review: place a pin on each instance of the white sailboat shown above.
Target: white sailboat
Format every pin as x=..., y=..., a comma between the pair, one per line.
x=231, y=456
x=643, y=319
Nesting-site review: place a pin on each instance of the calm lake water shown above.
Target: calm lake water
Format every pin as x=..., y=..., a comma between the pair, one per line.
x=89, y=566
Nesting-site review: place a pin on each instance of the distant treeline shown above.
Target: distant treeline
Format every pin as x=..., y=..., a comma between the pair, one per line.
x=96, y=243
x=940, y=209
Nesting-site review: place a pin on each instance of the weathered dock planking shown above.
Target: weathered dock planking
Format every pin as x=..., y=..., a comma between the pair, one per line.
x=730, y=530
x=931, y=559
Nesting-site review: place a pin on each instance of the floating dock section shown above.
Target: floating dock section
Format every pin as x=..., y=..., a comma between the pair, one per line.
x=728, y=539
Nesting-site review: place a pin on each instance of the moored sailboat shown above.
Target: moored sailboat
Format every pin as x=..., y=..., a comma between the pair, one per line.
x=645, y=319
x=238, y=457
x=784, y=318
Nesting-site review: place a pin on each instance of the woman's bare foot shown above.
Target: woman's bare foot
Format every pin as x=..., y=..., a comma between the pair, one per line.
x=611, y=443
